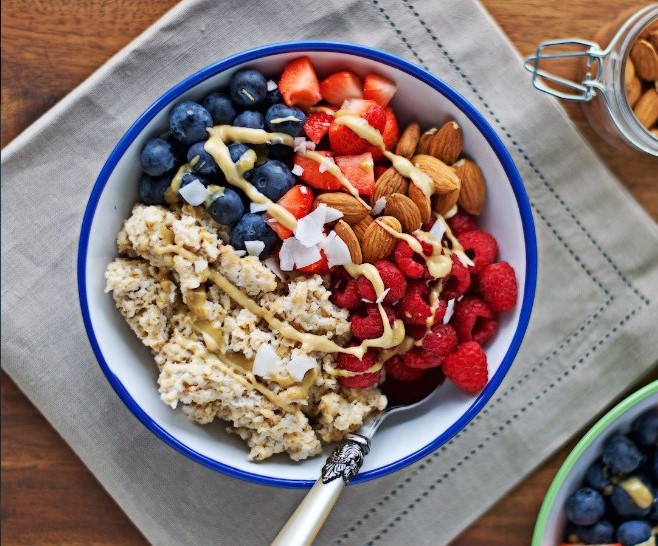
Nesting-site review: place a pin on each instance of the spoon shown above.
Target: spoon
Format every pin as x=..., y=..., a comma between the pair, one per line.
x=344, y=464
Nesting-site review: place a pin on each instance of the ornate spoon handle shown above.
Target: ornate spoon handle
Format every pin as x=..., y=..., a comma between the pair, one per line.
x=344, y=463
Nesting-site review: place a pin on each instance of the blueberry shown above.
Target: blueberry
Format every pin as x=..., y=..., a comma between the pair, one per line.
x=598, y=477
x=624, y=504
x=585, y=506
x=272, y=179
x=179, y=148
x=226, y=206
x=602, y=532
x=621, y=454
x=252, y=227
x=281, y=152
x=205, y=164
x=188, y=122
x=644, y=429
x=220, y=107
x=248, y=88
x=273, y=97
x=237, y=149
x=188, y=178
x=157, y=157
x=633, y=532
x=250, y=119
x=280, y=118
x=152, y=189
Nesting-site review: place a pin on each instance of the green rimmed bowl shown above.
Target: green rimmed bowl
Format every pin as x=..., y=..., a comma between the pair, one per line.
x=551, y=521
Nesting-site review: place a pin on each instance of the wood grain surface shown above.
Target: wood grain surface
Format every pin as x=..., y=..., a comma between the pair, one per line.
x=48, y=48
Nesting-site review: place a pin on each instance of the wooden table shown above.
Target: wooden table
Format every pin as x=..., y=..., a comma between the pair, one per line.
x=48, y=48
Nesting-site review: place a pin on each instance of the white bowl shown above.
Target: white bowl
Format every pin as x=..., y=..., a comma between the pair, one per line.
x=552, y=519
x=129, y=366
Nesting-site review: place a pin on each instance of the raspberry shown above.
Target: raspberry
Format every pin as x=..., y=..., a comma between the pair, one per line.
x=398, y=370
x=421, y=360
x=461, y=222
x=352, y=363
x=471, y=318
x=480, y=246
x=440, y=311
x=417, y=332
x=467, y=367
x=458, y=280
x=484, y=331
x=360, y=381
x=370, y=326
x=413, y=309
x=440, y=341
x=344, y=293
x=498, y=286
x=404, y=257
x=392, y=278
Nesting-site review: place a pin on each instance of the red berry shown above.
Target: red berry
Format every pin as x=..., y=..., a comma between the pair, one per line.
x=299, y=84
x=398, y=370
x=439, y=342
x=360, y=381
x=461, y=222
x=340, y=86
x=317, y=125
x=413, y=308
x=480, y=246
x=344, y=141
x=370, y=326
x=390, y=134
x=352, y=363
x=404, y=257
x=498, y=286
x=419, y=359
x=415, y=331
x=467, y=367
x=359, y=170
x=484, y=330
x=298, y=200
x=458, y=280
x=440, y=311
x=320, y=267
x=344, y=293
x=392, y=278
x=379, y=89
x=471, y=317
x=313, y=177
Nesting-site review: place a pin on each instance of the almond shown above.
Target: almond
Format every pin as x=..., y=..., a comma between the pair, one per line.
x=346, y=233
x=653, y=39
x=473, y=190
x=444, y=203
x=447, y=143
x=360, y=227
x=405, y=210
x=425, y=140
x=646, y=109
x=377, y=243
x=443, y=176
x=421, y=201
x=406, y=146
x=390, y=182
x=645, y=59
x=353, y=211
x=633, y=90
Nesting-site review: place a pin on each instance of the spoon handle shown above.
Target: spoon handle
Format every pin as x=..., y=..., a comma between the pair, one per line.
x=341, y=467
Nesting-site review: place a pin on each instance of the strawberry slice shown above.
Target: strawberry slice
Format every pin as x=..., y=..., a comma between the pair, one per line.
x=379, y=89
x=390, y=134
x=299, y=84
x=320, y=267
x=368, y=110
x=340, y=86
x=298, y=200
x=343, y=140
x=359, y=170
x=317, y=125
x=312, y=175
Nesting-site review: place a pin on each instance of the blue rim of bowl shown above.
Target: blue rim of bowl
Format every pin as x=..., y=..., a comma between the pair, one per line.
x=299, y=47
x=603, y=426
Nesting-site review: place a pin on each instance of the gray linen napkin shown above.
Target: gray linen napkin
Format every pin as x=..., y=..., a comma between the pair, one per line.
x=592, y=333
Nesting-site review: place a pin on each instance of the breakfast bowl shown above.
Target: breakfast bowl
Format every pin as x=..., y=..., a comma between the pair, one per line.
x=129, y=366
x=552, y=519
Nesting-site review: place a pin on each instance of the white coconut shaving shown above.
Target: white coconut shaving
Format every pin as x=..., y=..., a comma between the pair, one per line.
x=438, y=229
x=378, y=207
x=194, y=193
x=257, y=207
x=450, y=309
x=336, y=250
x=299, y=365
x=331, y=214
x=254, y=248
x=298, y=170
x=303, y=189
x=240, y=253
x=295, y=254
x=310, y=228
x=273, y=266
x=271, y=85
x=266, y=362
x=301, y=145
x=381, y=296
x=325, y=164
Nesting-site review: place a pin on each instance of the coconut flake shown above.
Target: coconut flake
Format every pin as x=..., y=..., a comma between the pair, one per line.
x=271, y=85
x=336, y=250
x=266, y=362
x=294, y=254
x=194, y=193
x=378, y=207
x=254, y=248
x=240, y=253
x=298, y=170
x=303, y=189
x=450, y=309
x=331, y=214
x=258, y=207
x=381, y=296
x=301, y=145
x=299, y=365
x=438, y=229
x=273, y=266
x=309, y=230
x=325, y=164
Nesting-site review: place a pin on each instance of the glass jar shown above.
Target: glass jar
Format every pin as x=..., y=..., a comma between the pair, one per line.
x=601, y=86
